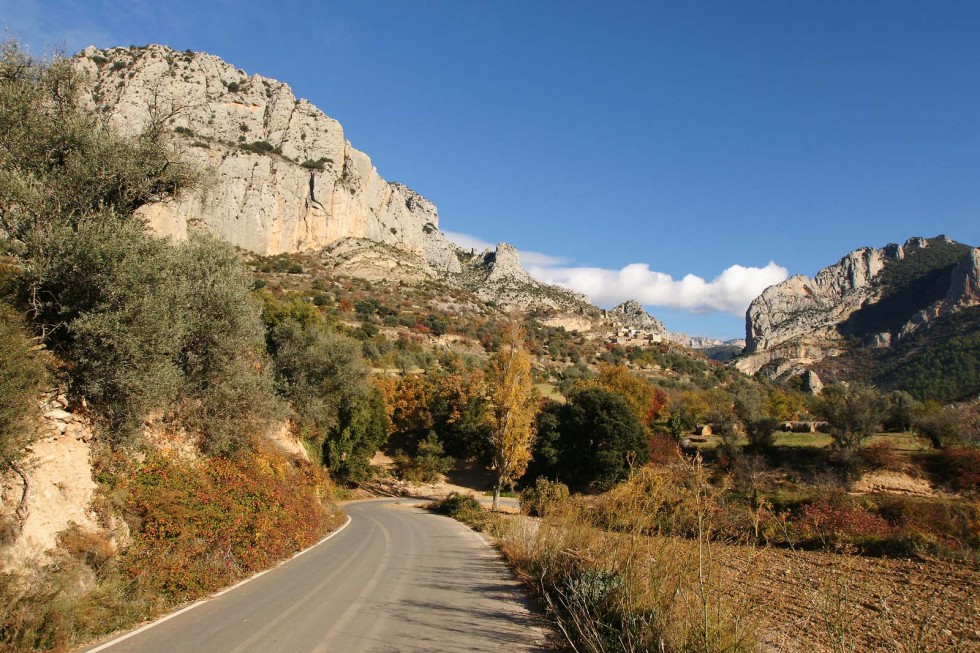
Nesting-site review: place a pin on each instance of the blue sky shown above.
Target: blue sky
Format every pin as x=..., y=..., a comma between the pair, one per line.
x=686, y=153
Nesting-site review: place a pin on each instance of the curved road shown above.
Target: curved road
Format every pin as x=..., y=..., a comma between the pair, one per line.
x=396, y=579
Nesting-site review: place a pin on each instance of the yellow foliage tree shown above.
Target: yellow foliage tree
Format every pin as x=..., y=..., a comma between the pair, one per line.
x=644, y=400
x=514, y=405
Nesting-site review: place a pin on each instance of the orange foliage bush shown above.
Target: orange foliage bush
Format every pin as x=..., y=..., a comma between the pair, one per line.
x=199, y=526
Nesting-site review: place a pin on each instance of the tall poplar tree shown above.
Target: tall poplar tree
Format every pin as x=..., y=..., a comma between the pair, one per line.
x=514, y=405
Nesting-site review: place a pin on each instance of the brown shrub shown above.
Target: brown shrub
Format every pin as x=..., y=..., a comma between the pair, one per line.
x=834, y=520
x=960, y=468
x=880, y=455
x=201, y=526
x=91, y=549
x=613, y=584
x=663, y=449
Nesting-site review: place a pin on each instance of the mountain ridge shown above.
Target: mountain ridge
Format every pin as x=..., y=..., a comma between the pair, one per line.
x=285, y=178
x=869, y=299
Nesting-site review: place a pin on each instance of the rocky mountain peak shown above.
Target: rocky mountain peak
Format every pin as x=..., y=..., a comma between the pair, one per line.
x=504, y=263
x=285, y=179
x=630, y=314
x=874, y=296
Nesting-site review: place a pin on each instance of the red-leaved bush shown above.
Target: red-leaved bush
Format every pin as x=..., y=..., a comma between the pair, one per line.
x=960, y=468
x=199, y=526
x=834, y=520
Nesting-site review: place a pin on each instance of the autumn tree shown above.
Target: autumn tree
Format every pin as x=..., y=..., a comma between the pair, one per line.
x=514, y=405
x=459, y=412
x=645, y=401
x=410, y=414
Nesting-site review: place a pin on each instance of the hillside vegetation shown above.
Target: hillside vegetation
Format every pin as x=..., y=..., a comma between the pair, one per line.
x=139, y=332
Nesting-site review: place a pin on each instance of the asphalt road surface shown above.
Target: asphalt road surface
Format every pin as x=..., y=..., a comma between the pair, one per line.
x=396, y=579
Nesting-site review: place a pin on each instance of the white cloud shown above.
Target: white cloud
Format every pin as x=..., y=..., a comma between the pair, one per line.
x=729, y=292
x=538, y=260
x=467, y=241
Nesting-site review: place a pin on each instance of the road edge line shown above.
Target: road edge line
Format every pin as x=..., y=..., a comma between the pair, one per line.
x=199, y=602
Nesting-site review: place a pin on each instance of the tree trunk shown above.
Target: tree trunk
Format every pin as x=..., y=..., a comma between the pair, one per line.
x=496, y=495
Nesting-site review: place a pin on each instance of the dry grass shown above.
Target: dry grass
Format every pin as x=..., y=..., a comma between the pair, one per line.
x=646, y=567
x=828, y=602
x=623, y=586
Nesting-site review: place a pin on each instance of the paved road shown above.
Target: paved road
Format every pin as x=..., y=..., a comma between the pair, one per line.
x=396, y=579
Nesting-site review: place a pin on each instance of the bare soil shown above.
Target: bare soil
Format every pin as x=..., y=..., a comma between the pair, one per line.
x=813, y=601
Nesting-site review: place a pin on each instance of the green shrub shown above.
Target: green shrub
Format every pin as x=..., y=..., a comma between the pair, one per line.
x=227, y=388
x=466, y=509
x=318, y=164
x=854, y=412
x=22, y=378
x=155, y=328
x=362, y=430
x=108, y=301
x=260, y=147
x=59, y=166
x=457, y=504
x=543, y=497
x=590, y=442
x=319, y=371
x=427, y=465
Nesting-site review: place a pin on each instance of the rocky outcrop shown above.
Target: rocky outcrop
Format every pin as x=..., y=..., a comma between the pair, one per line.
x=61, y=488
x=702, y=342
x=631, y=315
x=812, y=383
x=284, y=177
x=800, y=321
x=802, y=310
x=497, y=275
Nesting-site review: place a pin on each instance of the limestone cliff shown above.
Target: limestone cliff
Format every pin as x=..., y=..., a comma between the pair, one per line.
x=282, y=178
x=703, y=342
x=871, y=297
x=285, y=179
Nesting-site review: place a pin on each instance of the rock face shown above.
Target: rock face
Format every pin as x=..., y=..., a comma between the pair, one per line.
x=873, y=296
x=701, y=342
x=497, y=275
x=630, y=314
x=285, y=178
x=62, y=488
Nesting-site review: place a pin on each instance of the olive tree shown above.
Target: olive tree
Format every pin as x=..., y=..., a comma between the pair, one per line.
x=854, y=412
